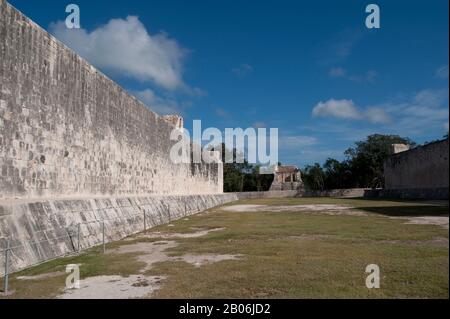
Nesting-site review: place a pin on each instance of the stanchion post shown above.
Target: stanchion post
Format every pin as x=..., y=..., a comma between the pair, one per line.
x=145, y=221
x=79, y=236
x=103, y=237
x=6, y=279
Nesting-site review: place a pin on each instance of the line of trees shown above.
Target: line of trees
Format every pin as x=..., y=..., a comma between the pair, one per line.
x=362, y=167
x=243, y=177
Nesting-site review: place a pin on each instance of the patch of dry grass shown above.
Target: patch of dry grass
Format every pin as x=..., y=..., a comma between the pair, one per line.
x=285, y=255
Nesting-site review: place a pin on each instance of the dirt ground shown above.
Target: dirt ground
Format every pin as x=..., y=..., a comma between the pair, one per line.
x=270, y=248
x=149, y=253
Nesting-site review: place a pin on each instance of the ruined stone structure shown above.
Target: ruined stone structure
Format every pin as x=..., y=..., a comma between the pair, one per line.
x=421, y=172
x=77, y=151
x=66, y=129
x=397, y=148
x=286, y=178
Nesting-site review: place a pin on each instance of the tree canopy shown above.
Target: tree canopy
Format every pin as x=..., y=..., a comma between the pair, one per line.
x=362, y=167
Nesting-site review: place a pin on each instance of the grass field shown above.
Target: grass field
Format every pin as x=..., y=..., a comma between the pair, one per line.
x=283, y=254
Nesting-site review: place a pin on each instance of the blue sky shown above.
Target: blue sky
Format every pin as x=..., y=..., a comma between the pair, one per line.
x=312, y=69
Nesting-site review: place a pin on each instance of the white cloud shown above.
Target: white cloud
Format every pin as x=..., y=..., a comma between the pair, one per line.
x=242, y=70
x=125, y=46
x=293, y=142
x=161, y=106
x=336, y=108
x=339, y=72
x=420, y=113
x=377, y=115
x=346, y=109
x=345, y=41
x=442, y=72
x=222, y=113
x=430, y=98
x=340, y=47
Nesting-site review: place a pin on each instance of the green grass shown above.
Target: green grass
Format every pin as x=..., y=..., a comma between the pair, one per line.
x=286, y=255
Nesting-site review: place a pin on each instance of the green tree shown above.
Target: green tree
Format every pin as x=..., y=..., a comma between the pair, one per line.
x=314, y=177
x=337, y=174
x=242, y=177
x=366, y=158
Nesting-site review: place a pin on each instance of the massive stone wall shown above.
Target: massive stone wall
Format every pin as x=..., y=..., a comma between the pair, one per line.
x=41, y=230
x=424, y=167
x=66, y=129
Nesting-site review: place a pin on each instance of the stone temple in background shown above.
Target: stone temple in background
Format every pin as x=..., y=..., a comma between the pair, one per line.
x=286, y=178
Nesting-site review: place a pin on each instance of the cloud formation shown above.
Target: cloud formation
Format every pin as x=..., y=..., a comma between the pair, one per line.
x=242, y=70
x=442, y=73
x=221, y=112
x=340, y=47
x=162, y=106
x=415, y=114
x=346, y=109
x=125, y=46
x=368, y=77
x=292, y=142
x=420, y=112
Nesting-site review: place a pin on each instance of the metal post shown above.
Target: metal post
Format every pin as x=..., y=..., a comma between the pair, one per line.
x=103, y=231
x=168, y=210
x=145, y=221
x=5, y=282
x=185, y=209
x=78, y=242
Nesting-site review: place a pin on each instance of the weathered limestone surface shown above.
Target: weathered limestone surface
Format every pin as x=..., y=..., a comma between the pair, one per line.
x=420, y=168
x=66, y=129
x=39, y=231
x=440, y=193
x=349, y=193
x=268, y=194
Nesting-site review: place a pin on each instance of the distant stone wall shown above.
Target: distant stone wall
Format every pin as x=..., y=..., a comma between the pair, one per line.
x=349, y=192
x=268, y=194
x=408, y=193
x=68, y=130
x=424, y=167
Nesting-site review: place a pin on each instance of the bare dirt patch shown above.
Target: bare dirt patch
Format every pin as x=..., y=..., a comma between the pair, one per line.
x=114, y=287
x=154, y=252
x=42, y=276
x=199, y=233
x=319, y=208
x=201, y=260
x=151, y=253
x=428, y=220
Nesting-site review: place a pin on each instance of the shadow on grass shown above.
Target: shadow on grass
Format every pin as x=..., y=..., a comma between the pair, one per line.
x=432, y=202
x=420, y=210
